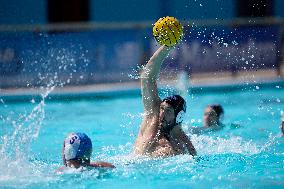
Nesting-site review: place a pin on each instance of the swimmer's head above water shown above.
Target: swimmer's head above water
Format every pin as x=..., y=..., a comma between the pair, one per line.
x=212, y=115
x=172, y=110
x=77, y=150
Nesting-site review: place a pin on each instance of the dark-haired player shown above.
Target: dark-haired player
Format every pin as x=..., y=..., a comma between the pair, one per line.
x=160, y=132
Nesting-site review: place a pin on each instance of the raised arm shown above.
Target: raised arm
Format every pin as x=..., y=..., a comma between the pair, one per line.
x=149, y=76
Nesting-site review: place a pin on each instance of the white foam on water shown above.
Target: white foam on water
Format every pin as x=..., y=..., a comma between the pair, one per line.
x=206, y=145
x=15, y=148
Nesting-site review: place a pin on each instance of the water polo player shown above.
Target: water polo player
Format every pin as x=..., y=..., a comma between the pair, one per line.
x=212, y=116
x=77, y=151
x=160, y=133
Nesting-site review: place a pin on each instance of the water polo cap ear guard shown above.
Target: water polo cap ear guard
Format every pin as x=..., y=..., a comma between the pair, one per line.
x=180, y=116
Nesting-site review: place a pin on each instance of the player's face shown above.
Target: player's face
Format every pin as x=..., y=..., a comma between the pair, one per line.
x=210, y=117
x=167, y=115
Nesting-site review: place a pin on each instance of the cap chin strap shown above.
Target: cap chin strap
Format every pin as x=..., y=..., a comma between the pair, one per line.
x=180, y=117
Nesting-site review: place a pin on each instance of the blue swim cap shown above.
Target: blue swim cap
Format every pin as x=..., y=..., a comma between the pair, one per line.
x=77, y=145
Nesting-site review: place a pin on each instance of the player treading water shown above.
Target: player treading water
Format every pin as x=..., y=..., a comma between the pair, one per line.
x=77, y=151
x=160, y=133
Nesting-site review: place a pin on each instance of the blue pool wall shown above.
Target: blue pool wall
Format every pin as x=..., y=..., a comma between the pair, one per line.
x=35, y=11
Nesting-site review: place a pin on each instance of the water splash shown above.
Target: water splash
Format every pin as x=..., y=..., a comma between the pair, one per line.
x=15, y=147
x=182, y=84
x=208, y=145
x=17, y=162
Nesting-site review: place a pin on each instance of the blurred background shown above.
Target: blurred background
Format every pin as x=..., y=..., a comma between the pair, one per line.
x=82, y=42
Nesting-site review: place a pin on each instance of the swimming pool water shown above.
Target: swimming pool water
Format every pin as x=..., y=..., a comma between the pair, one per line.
x=249, y=155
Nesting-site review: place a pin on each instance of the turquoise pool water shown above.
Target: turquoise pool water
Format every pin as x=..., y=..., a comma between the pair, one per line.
x=247, y=156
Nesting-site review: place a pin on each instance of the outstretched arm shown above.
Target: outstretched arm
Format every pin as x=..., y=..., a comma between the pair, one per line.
x=149, y=76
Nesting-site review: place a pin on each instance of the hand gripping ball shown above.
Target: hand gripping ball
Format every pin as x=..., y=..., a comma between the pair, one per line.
x=168, y=31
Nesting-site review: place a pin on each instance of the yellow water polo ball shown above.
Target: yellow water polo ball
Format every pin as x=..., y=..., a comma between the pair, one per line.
x=168, y=31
